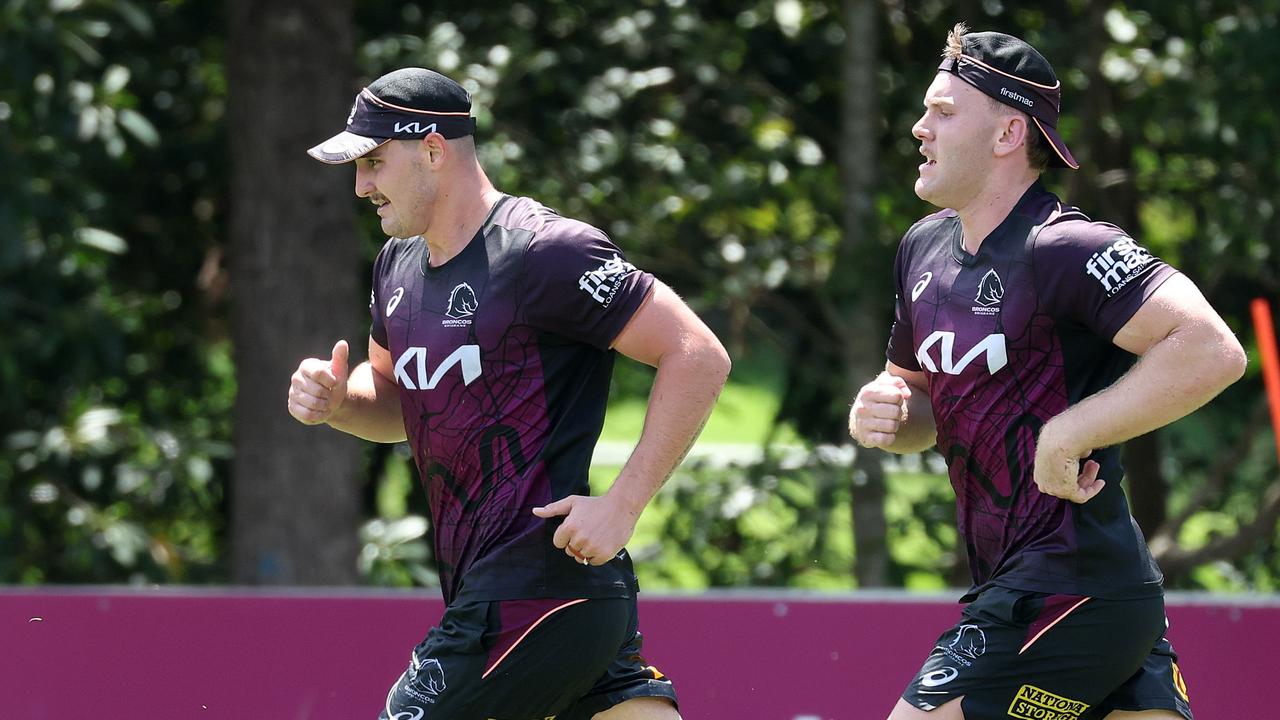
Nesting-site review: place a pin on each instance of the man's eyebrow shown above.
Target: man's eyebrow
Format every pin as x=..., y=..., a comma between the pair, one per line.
x=936, y=101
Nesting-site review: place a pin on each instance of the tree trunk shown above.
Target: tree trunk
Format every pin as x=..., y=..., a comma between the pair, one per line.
x=1104, y=188
x=864, y=337
x=295, y=276
x=1147, y=485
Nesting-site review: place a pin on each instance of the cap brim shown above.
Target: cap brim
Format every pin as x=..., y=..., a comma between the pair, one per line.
x=344, y=147
x=1062, y=156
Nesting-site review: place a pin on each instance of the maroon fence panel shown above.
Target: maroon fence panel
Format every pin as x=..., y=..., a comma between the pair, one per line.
x=243, y=655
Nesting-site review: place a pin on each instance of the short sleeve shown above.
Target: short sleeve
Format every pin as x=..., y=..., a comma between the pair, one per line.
x=901, y=343
x=377, y=325
x=579, y=284
x=1095, y=274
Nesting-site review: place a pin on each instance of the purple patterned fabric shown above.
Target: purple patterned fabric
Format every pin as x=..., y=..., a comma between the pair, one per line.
x=1009, y=338
x=502, y=358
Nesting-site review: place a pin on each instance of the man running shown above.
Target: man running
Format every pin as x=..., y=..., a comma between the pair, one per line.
x=1018, y=322
x=495, y=323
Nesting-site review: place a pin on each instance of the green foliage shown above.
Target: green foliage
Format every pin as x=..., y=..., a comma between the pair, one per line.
x=704, y=138
x=114, y=415
x=785, y=521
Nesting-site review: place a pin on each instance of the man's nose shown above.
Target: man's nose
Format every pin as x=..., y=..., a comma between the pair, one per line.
x=364, y=187
x=919, y=131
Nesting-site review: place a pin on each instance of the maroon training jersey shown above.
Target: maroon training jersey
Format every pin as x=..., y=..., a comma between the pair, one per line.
x=502, y=359
x=1010, y=337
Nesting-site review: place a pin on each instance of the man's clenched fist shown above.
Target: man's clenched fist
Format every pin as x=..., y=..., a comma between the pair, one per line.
x=879, y=410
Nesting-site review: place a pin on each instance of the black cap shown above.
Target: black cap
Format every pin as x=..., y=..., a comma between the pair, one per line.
x=1012, y=72
x=404, y=104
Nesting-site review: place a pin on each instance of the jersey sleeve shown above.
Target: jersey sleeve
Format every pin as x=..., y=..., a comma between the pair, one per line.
x=1095, y=274
x=579, y=284
x=377, y=325
x=900, y=350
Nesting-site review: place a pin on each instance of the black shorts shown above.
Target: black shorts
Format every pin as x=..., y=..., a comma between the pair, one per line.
x=527, y=660
x=1035, y=656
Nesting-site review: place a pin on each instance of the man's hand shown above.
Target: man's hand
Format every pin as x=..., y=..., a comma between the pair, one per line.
x=879, y=410
x=594, y=529
x=318, y=387
x=1058, y=472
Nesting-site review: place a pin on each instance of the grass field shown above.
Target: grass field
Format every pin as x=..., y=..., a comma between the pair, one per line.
x=743, y=415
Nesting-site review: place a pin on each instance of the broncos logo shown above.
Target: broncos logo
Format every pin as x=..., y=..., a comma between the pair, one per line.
x=990, y=290
x=427, y=674
x=970, y=641
x=462, y=302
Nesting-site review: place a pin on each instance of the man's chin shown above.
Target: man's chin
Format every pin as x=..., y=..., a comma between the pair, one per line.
x=929, y=194
x=922, y=190
x=391, y=229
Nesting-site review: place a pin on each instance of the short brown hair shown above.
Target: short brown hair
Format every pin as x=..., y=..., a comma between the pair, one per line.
x=1038, y=151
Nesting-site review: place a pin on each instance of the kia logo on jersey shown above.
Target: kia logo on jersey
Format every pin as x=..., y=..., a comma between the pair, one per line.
x=991, y=347
x=411, y=367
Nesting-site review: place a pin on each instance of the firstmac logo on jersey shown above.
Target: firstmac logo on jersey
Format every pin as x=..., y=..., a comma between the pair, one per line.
x=605, y=281
x=1121, y=262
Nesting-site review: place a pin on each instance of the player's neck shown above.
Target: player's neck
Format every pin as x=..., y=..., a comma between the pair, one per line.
x=991, y=206
x=461, y=213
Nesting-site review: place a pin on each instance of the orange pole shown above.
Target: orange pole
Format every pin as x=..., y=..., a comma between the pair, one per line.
x=1265, y=329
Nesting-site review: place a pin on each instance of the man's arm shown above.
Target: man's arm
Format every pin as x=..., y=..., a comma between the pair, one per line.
x=893, y=412
x=1188, y=356
x=364, y=402
x=692, y=368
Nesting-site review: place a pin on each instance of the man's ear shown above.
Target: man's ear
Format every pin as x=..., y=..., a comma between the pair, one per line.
x=1011, y=134
x=434, y=146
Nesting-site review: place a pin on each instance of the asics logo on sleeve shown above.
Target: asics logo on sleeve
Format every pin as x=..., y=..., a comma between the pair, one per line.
x=920, y=286
x=394, y=301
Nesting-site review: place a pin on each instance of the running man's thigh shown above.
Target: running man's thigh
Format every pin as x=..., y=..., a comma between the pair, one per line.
x=640, y=708
x=510, y=659
x=1156, y=690
x=1033, y=656
x=630, y=689
x=949, y=710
